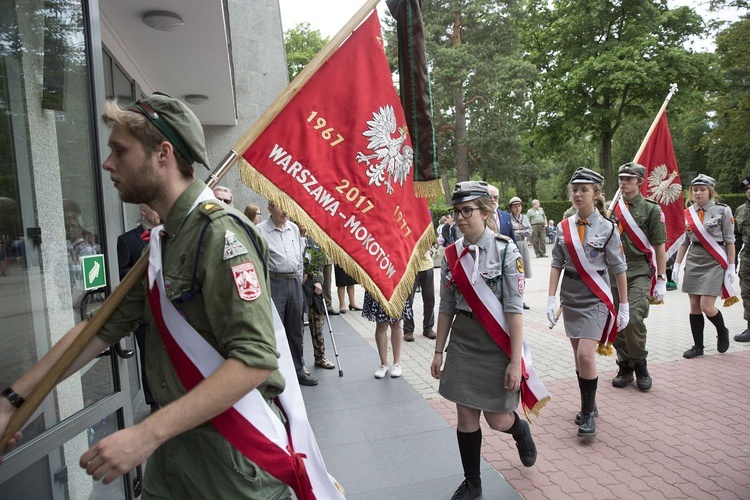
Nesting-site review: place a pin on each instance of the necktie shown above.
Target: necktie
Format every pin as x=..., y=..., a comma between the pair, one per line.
x=581, y=228
x=700, y=214
x=146, y=235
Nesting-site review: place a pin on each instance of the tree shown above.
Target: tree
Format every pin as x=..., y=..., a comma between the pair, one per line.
x=479, y=84
x=729, y=142
x=301, y=45
x=604, y=61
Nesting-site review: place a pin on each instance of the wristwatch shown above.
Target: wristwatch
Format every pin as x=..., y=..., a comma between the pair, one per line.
x=661, y=277
x=14, y=398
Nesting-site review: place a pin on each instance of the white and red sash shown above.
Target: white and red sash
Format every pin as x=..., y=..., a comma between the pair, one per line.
x=489, y=312
x=638, y=237
x=590, y=277
x=289, y=453
x=693, y=221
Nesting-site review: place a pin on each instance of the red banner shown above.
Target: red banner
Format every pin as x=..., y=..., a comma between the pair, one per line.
x=338, y=159
x=663, y=183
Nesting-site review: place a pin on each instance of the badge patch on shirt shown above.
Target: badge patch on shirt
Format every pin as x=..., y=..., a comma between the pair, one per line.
x=232, y=247
x=521, y=284
x=662, y=218
x=246, y=280
x=519, y=265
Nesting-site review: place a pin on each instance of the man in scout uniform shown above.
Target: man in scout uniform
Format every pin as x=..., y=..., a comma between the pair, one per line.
x=742, y=230
x=538, y=220
x=213, y=275
x=648, y=236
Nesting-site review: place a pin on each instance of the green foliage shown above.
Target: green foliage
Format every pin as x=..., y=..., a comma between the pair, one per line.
x=314, y=260
x=301, y=44
x=729, y=143
x=601, y=63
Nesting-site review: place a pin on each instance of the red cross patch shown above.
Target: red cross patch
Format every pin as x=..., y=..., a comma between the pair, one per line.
x=246, y=280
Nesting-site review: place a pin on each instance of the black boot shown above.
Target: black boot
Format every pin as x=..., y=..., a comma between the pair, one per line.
x=696, y=328
x=579, y=415
x=722, y=332
x=470, y=448
x=624, y=375
x=744, y=336
x=587, y=428
x=521, y=433
x=643, y=379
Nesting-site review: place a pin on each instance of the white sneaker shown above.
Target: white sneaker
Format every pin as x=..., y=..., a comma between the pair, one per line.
x=380, y=372
x=396, y=371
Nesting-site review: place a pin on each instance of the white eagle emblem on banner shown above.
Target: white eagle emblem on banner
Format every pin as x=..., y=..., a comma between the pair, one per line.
x=660, y=187
x=392, y=158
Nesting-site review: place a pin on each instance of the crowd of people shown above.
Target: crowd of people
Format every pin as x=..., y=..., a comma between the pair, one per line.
x=608, y=268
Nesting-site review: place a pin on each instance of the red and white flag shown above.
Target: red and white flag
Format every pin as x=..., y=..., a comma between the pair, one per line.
x=339, y=160
x=663, y=184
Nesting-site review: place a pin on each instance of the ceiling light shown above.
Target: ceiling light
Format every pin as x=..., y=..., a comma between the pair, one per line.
x=196, y=98
x=163, y=20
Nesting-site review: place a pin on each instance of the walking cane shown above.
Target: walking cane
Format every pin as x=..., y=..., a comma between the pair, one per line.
x=92, y=327
x=333, y=342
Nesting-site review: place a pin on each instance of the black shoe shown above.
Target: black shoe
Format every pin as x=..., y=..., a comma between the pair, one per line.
x=579, y=416
x=307, y=380
x=624, y=376
x=526, y=446
x=331, y=312
x=525, y=306
x=642, y=377
x=467, y=491
x=693, y=352
x=430, y=334
x=354, y=308
x=743, y=337
x=587, y=428
x=408, y=337
x=722, y=342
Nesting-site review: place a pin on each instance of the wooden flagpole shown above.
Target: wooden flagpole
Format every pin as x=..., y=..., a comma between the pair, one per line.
x=672, y=91
x=92, y=327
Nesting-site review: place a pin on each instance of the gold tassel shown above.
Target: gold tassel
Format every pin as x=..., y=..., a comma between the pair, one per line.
x=654, y=303
x=393, y=308
x=605, y=350
x=731, y=301
x=536, y=409
x=432, y=190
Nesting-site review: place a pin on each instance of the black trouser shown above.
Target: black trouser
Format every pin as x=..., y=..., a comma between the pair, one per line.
x=425, y=279
x=287, y=297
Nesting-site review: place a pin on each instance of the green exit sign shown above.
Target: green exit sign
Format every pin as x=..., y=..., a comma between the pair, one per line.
x=93, y=272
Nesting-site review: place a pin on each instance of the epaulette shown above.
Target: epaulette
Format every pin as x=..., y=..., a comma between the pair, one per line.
x=651, y=201
x=722, y=204
x=212, y=209
x=502, y=237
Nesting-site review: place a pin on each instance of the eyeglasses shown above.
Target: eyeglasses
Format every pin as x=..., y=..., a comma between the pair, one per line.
x=228, y=202
x=495, y=198
x=465, y=212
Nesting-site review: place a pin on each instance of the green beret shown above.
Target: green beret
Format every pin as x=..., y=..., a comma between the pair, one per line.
x=177, y=122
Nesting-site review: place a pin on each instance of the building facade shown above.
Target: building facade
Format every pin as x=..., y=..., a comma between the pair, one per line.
x=60, y=60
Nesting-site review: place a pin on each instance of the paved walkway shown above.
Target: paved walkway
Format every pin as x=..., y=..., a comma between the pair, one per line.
x=686, y=438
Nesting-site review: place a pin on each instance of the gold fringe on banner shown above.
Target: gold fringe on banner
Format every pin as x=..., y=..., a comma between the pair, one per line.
x=394, y=307
x=432, y=190
x=731, y=301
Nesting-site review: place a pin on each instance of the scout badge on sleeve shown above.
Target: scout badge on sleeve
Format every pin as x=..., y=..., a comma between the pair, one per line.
x=232, y=246
x=246, y=280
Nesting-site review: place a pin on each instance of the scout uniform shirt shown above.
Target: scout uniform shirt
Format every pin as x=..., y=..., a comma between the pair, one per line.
x=601, y=244
x=536, y=215
x=235, y=321
x=717, y=219
x=742, y=228
x=500, y=266
x=647, y=214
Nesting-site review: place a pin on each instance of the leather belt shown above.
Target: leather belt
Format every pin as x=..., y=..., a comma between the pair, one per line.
x=282, y=276
x=575, y=276
x=699, y=244
x=636, y=258
x=468, y=313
